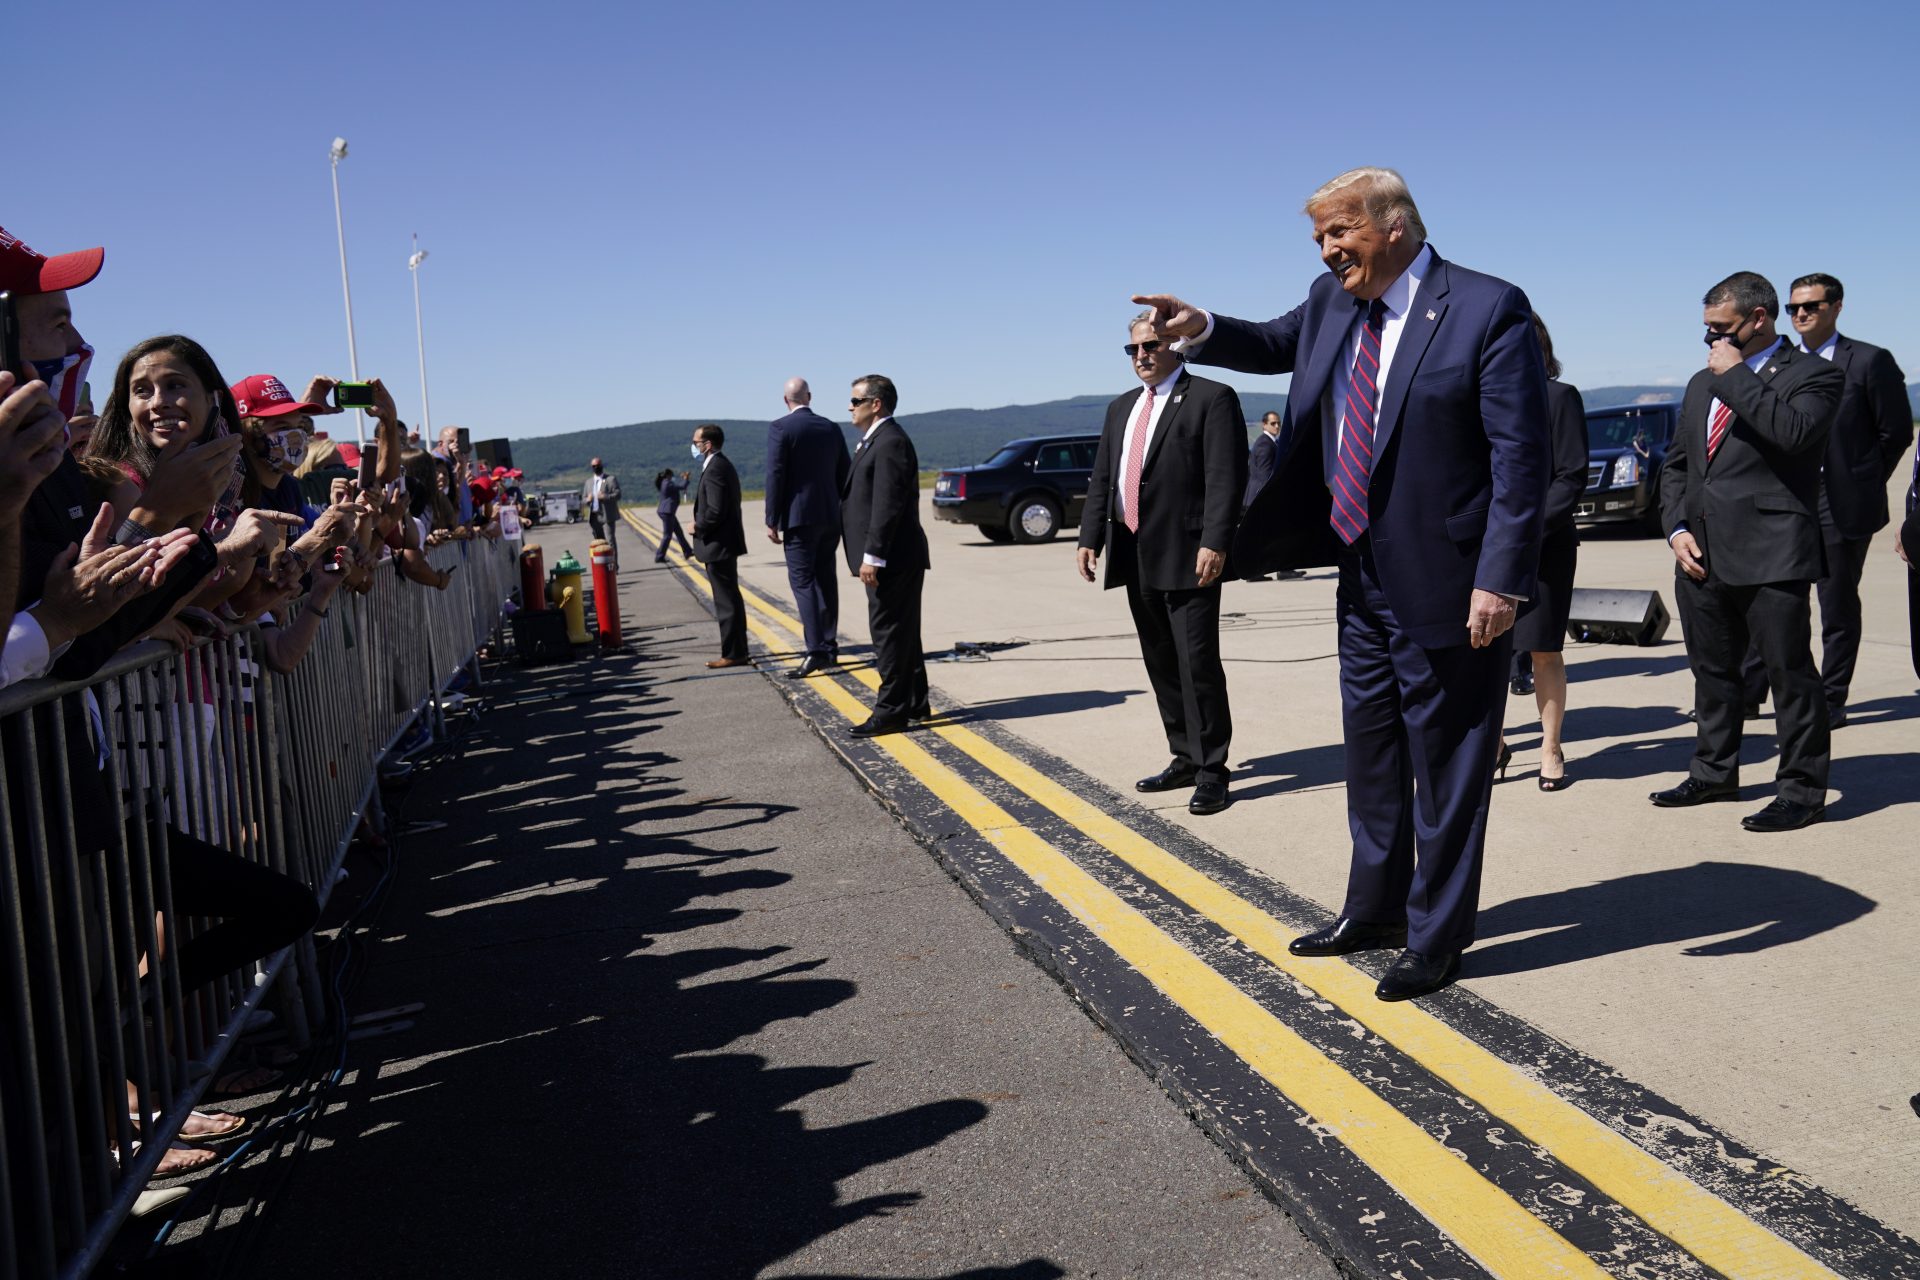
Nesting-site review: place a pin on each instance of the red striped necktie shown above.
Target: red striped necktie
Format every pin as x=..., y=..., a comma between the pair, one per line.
x=1717, y=429
x=1135, y=459
x=1354, y=465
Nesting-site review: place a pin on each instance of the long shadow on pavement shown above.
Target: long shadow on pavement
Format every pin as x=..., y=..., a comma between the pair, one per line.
x=1766, y=906
x=566, y=1104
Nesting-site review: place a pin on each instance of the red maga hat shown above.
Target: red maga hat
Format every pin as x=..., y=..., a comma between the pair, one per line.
x=265, y=396
x=24, y=271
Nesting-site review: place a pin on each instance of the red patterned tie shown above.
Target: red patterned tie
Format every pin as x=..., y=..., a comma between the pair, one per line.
x=1354, y=465
x=1136, y=457
x=1717, y=429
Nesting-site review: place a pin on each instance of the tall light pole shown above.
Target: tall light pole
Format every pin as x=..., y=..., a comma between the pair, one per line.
x=338, y=152
x=420, y=336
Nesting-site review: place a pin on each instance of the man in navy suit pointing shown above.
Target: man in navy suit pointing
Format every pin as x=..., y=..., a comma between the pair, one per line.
x=1419, y=411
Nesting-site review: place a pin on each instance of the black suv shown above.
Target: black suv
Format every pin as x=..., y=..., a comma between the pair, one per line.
x=1027, y=492
x=1626, y=447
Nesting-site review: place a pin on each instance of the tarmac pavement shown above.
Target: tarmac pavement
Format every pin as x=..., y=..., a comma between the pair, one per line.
x=1763, y=983
x=694, y=1005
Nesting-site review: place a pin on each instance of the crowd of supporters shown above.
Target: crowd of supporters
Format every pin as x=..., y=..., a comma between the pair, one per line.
x=189, y=507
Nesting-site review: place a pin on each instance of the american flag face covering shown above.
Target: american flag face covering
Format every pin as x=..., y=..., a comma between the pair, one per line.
x=65, y=378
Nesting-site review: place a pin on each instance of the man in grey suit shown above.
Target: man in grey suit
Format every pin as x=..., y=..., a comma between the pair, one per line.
x=807, y=467
x=600, y=495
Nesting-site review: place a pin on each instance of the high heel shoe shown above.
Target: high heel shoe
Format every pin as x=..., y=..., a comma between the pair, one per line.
x=1501, y=761
x=1560, y=783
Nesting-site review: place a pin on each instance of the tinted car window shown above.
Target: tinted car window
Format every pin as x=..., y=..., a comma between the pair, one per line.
x=1083, y=454
x=1055, y=457
x=1618, y=430
x=1008, y=455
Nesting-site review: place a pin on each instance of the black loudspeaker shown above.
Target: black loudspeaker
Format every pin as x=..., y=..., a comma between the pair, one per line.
x=540, y=636
x=494, y=453
x=1618, y=617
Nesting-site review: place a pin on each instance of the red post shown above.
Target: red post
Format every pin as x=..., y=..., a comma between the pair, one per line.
x=533, y=579
x=606, y=603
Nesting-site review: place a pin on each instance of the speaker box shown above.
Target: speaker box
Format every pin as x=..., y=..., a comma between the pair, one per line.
x=540, y=636
x=1618, y=617
x=494, y=453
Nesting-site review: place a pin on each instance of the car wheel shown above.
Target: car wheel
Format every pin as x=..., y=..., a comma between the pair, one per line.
x=996, y=533
x=1034, y=518
x=1652, y=521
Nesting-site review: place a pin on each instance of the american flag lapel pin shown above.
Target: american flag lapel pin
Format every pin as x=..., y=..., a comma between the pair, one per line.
x=1177, y=399
x=1431, y=316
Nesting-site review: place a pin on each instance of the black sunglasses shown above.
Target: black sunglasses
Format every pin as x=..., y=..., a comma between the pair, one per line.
x=857, y=401
x=1796, y=308
x=1135, y=348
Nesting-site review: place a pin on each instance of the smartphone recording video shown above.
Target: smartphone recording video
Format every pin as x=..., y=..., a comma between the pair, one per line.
x=353, y=395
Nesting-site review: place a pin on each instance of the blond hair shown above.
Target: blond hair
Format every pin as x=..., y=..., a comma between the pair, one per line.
x=1385, y=198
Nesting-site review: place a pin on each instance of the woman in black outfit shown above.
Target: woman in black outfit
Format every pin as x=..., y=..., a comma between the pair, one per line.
x=1541, y=630
x=671, y=488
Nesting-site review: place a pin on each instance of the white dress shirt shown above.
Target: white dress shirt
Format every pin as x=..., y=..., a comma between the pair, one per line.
x=1162, y=394
x=26, y=656
x=1826, y=348
x=875, y=561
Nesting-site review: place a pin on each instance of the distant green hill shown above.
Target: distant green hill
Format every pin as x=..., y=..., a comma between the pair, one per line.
x=943, y=438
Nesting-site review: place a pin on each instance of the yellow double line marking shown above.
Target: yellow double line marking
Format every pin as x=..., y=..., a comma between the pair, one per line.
x=1483, y=1219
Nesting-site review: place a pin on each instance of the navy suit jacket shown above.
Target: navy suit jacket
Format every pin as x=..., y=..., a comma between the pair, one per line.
x=807, y=466
x=1462, y=457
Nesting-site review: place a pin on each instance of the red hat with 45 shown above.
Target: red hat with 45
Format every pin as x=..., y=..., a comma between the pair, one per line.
x=24, y=271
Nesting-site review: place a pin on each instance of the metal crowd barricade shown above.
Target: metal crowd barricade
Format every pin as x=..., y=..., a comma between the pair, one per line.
x=95, y=1030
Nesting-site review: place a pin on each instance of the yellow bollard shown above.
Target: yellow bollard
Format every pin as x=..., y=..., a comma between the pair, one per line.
x=563, y=588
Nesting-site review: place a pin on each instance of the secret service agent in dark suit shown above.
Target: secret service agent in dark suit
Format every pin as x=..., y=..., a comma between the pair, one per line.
x=1268, y=447
x=1870, y=434
x=1419, y=466
x=887, y=550
x=807, y=468
x=719, y=540
x=1739, y=493
x=1161, y=505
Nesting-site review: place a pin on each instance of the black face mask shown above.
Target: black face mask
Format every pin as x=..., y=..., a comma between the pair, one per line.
x=1734, y=337
x=597, y=470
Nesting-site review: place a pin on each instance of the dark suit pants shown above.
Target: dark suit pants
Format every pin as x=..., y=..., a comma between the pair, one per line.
x=1720, y=621
x=1422, y=729
x=813, y=552
x=728, y=607
x=1180, y=642
x=669, y=530
x=893, y=615
x=1839, y=594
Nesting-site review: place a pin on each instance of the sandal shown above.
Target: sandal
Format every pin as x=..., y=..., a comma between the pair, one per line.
x=211, y=1125
x=181, y=1159
x=244, y=1082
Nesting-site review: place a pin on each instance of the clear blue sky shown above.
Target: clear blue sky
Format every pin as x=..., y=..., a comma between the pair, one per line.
x=664, y=210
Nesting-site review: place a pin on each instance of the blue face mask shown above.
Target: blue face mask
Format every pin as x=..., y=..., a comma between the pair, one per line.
x=694, y=449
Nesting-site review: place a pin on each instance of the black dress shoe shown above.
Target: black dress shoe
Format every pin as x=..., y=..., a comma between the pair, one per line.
x=873, y=728
x=1413, y=974
x=1784, y=815
x=1171, y=778
x=1346, y=935
x=1692, y=792
x=812, y=664
x=1208, y=797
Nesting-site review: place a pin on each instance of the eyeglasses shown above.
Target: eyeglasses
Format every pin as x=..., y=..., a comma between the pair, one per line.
x=1795, y=308
x=1135, y=348
x=857, y=401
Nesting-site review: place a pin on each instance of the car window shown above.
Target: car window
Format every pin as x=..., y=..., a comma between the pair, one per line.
x=1083, y=453
x=1008, y=455
x=1057, y=456
x=1635, y=427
